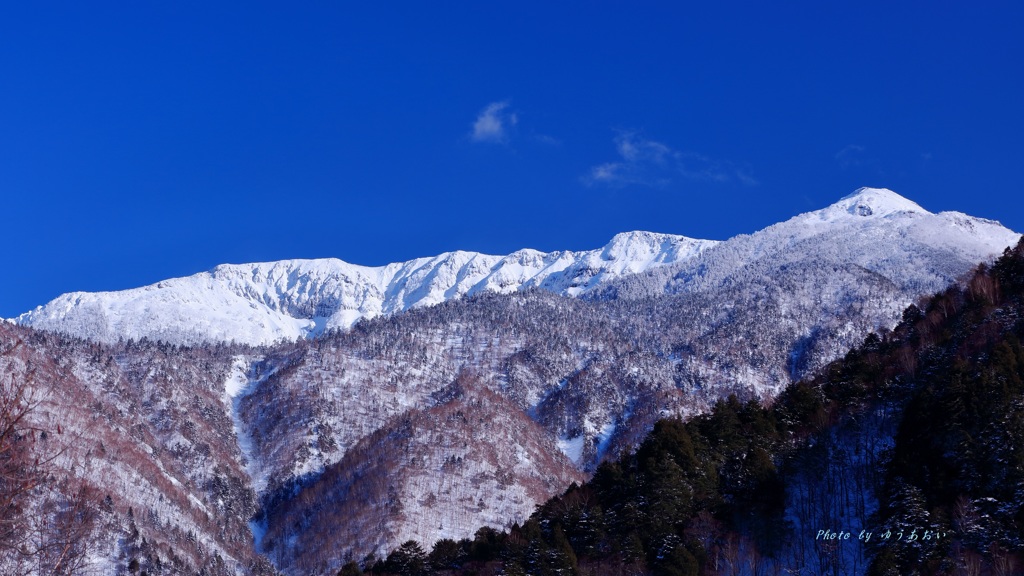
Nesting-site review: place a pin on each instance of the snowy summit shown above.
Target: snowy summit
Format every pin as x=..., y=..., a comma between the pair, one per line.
x=261, y=303
x=870, y=202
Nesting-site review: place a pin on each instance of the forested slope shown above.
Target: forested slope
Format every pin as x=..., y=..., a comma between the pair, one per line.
x=118, y=459
x=904, y=457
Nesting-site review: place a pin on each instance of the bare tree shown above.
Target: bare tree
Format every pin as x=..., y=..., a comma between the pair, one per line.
x=20, y=470
x=47, y=518
x=1002, y=561
x=63, y=528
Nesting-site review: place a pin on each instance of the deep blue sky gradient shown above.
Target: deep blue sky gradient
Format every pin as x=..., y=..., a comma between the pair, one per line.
x=145, y=140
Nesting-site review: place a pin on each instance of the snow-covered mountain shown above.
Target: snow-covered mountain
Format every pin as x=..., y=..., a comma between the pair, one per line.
x=745, y=317
x=776, y=305
x=266, y=302
x=433, y=422
x=874, y=229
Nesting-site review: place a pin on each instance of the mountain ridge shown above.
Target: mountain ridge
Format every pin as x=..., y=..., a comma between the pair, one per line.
x=265, y=302
x=260, y=303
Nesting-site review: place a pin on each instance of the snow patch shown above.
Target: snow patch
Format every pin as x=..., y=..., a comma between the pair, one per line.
x=237, y=380
x=604, y=438
x=259, y=531
x=237, y=386
x=572, y=447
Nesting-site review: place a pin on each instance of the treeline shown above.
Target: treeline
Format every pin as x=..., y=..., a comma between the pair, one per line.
x=709, y=496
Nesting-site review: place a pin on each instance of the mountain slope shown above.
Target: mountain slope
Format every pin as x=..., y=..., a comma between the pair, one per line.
x=814, y=283
x=904, y=457
x=138, y=437
x=429, y=423
x=266, y=302
x=875, y=229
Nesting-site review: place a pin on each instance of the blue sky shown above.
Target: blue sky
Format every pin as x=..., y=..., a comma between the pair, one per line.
x=145, y=140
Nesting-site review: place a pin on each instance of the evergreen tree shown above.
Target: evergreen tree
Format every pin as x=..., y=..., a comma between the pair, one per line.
x=407, y=560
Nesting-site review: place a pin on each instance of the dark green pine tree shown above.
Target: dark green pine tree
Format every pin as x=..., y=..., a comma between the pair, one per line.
x=678, y=562
x=350, y=569
x=446, y=555
x=408, y=560
x=668, y=497
x=561, y=557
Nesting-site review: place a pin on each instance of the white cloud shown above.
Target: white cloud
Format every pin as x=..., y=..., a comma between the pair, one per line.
x=651, y=163
x=547, y=140
x=850, y=156
x=606, y=172
x=493, y=123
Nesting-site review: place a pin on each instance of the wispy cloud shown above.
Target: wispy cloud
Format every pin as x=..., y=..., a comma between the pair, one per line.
x=493, y=123
x=850, y=156
x=651, y=163
x=547, y=140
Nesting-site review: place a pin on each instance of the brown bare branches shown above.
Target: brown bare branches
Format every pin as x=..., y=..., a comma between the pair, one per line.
x=46, y=518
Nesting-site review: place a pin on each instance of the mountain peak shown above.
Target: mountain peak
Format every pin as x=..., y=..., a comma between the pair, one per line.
x=640, y=249
x=878, y=202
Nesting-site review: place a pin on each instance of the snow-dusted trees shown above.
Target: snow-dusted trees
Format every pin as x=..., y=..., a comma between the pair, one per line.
x=47, y=517
x=914, y=437
x=127, y=459
x=20, y=472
